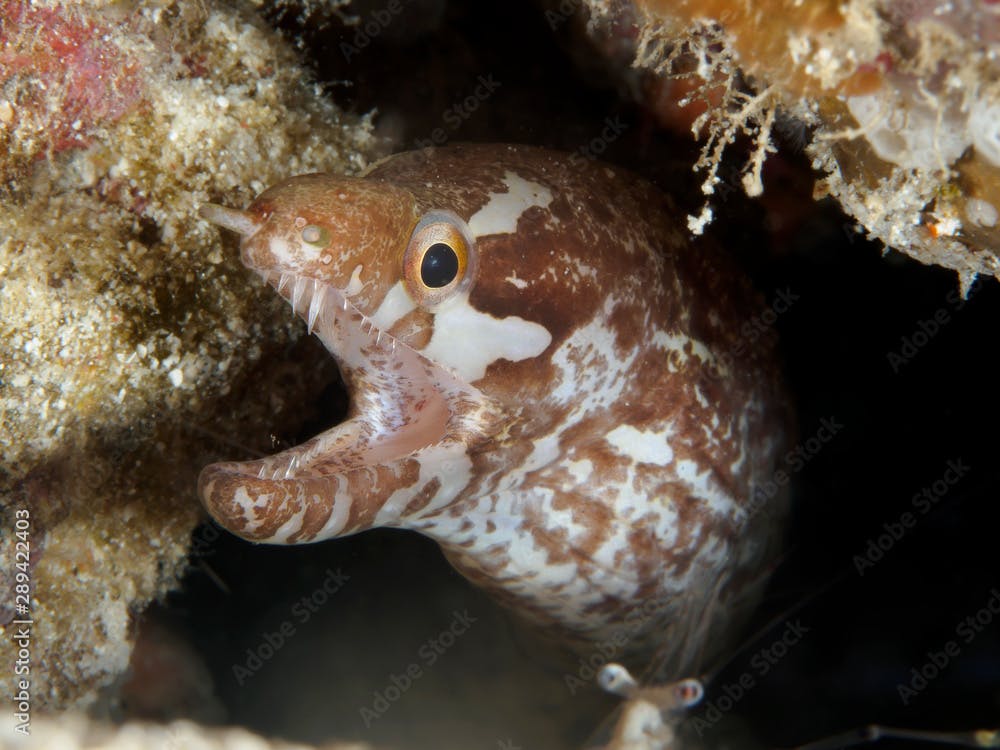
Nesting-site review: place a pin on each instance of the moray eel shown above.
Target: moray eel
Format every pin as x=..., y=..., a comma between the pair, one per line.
x=546, y=376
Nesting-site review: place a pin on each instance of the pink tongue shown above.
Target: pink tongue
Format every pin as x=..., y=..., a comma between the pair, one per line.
x=423, y=423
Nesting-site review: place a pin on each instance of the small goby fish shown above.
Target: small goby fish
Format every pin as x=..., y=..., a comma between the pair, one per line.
x=545, y=376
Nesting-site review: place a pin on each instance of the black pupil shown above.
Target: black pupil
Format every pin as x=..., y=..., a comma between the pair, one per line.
x=439, y=266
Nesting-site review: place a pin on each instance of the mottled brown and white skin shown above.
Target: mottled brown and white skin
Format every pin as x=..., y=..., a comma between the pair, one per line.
x=546, y=376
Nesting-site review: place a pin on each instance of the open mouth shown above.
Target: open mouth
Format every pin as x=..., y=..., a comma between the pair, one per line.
x=405, y=438
x=400, y=402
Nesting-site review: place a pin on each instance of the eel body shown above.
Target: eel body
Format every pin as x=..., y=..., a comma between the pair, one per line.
x=545, y=375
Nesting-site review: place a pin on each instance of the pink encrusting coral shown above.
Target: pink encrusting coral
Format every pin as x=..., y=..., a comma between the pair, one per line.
x=63, y=76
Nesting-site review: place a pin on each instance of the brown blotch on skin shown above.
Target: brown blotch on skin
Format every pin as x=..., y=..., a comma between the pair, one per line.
x=555, y=542
x=316, y=515
x=423, y=497
x=596, y=517
x=370, y=495
x=692, y=519
x=414, y=329
x=624, y=320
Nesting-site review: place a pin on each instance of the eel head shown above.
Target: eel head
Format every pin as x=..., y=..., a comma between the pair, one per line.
x=371, y=273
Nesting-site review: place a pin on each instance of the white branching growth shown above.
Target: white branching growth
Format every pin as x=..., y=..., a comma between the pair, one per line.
x=701, y=53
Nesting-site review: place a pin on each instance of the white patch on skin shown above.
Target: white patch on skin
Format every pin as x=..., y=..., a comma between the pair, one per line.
x=519, y=283
x=545, y=451
x=580, y=470
x=641, y=445
x=687, y=471
x=338, y=516
x=289, y=527
x=532, y=563
x=355, y=285
x=700, y=398
x=285, y=254
x=469, y=341
x=396, y=304
x=503, y=210
x=582, y=383
x=703, y=487
x=392, y=509
x=243, y=499
x=452, y=466
x=679, y=343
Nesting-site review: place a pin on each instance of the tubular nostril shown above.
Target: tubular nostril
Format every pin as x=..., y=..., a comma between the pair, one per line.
x=243, y=223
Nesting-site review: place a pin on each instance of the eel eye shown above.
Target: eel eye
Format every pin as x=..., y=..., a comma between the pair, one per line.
x=315, y=235
x=439, y=266
x=439, y=260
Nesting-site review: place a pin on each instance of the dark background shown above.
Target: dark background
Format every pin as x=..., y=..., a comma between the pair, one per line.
x=856, y=303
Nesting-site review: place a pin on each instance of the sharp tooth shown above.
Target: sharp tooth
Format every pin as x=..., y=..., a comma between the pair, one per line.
x=298, y=291
x=316, y=305
x=262, y=472
x=283, y=281
x=292, y=466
